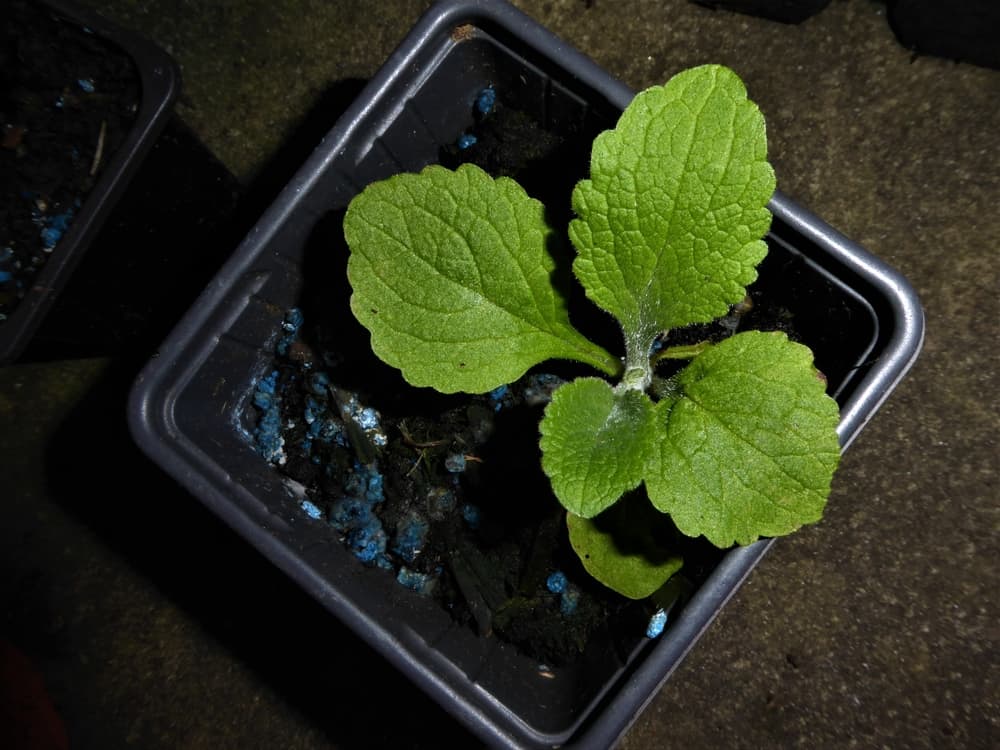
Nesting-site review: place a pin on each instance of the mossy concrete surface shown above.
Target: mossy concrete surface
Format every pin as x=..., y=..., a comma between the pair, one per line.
x=156, y=628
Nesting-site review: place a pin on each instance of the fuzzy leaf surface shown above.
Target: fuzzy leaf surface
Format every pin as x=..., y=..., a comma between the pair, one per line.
x=595, y=443
x=670, y=222
x=451, y=275
x=750, y=447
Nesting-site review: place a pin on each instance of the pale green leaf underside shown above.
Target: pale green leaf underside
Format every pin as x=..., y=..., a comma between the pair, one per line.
x=750, y=448
x=671, y=219
x=595, y=442
x=451, y=275
x=634, y=567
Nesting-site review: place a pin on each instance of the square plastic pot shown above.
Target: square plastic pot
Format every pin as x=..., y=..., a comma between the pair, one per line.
x=189, y=407
x=159, y=83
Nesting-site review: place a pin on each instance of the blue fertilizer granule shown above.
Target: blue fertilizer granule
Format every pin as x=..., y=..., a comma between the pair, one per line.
x=656, y=624
x=471, y=515
x=313, y=410
x=368, y=419
x=267, y=435
x=422, y=583
x=497, y=396
x=411, y=534
x=556, y=583
x=568, y=601
x=292, y=322
x=365, y=482
x=486, y=100
x=455, y=463
x=347, y=513
x=368, y=542
x=319, y=383
x=539, y=388
x=311, y=509
x=55, y=227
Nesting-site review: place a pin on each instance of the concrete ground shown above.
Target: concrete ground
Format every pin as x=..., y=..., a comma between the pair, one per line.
x=155, y=628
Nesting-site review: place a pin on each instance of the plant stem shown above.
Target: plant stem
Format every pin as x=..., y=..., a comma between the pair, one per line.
x=637, y=373
x=685, y=351
x=598, y=357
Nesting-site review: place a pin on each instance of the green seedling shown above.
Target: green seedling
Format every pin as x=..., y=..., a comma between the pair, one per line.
x=451, y=276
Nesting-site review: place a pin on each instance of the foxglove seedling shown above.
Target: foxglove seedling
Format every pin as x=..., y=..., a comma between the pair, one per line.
x=451, y=276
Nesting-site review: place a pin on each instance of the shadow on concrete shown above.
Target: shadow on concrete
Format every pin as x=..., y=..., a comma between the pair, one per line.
x=245, y=605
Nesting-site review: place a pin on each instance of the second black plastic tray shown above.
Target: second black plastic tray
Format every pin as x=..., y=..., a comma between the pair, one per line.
x=159, y=83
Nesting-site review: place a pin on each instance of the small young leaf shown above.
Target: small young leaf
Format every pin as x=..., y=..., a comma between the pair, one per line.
x=750, y=446
x=621, y=549
x=671, y=219
x=451, y=276
x=595, y=443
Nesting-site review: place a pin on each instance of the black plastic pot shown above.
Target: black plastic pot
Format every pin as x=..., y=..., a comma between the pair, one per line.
x=159, y=83
x=962, y=30
x=189, y=407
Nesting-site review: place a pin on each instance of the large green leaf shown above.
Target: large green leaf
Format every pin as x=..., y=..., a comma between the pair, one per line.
x=671, y=219
x=451, y=276
x=750, y=447
x=624, y=548
x=595, y=443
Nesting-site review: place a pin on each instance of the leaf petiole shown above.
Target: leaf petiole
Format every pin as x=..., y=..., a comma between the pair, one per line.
x=683, y=351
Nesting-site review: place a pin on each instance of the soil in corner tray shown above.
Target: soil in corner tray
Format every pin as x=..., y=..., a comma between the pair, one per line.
x=67, y=101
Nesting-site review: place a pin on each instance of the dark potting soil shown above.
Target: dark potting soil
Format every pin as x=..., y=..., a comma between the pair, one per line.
x=67, y=101
x=447, y=493
x=444, y=492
